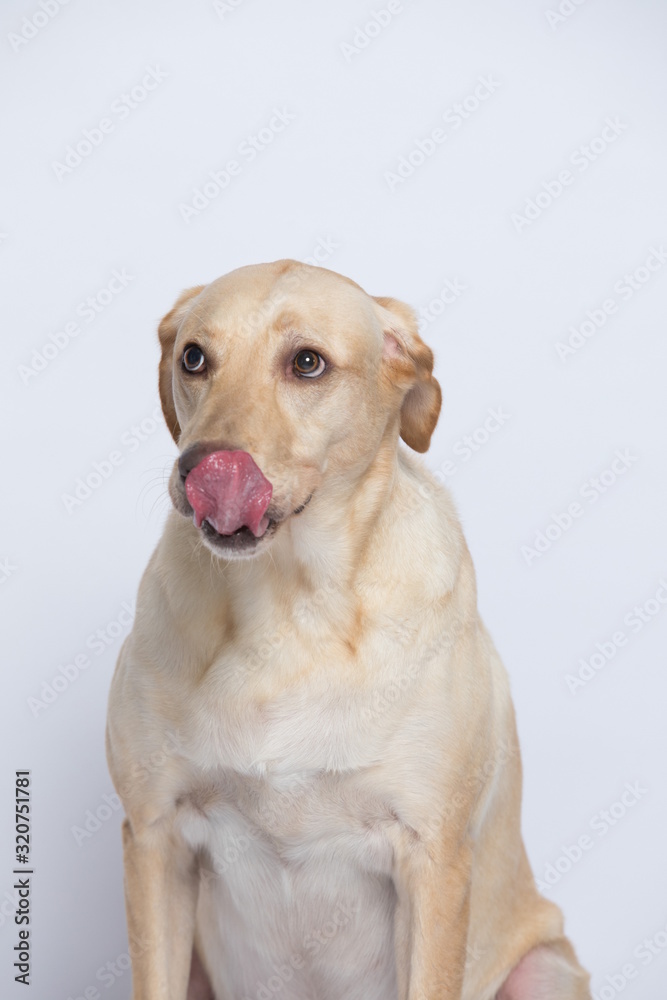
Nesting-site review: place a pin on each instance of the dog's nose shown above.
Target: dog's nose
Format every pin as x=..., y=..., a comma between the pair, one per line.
x=196, y=453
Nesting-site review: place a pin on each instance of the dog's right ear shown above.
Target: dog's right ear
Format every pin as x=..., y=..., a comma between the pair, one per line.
x=167, y=331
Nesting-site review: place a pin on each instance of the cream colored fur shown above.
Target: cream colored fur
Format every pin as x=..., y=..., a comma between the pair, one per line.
x=315, y=745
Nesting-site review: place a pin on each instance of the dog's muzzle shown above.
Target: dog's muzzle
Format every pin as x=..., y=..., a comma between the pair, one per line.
x=229, y=491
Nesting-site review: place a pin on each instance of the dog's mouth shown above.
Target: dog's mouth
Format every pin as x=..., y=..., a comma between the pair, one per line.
x=231, y=502
x=240, y=540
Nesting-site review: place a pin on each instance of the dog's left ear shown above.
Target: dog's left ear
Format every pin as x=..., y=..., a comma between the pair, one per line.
x=167, y=331
x=409, y=364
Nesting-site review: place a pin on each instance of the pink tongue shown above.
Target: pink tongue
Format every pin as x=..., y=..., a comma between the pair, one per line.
x=229, y=491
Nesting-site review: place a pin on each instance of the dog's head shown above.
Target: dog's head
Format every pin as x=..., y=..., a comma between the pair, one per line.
x=281, y=381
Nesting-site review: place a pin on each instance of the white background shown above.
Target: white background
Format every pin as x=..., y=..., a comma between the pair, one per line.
x=324, y=178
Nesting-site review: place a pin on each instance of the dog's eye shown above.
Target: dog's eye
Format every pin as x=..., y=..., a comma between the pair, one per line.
x=309, y=364
x=193, y=359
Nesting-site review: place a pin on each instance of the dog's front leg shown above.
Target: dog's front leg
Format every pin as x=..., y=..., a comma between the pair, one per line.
x=161, y=885
x=432, y=882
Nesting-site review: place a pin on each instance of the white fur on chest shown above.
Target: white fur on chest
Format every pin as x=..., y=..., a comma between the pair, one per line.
x=296, y=892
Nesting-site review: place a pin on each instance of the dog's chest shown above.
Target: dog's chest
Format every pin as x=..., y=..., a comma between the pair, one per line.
x=291, y=820
x=290, y=749
x=301, y=697
x=298, y=873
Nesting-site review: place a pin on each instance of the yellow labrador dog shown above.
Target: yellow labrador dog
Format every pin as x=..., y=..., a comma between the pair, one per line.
x=309, y=726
